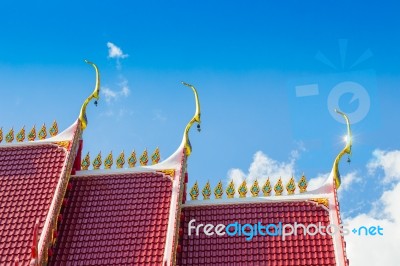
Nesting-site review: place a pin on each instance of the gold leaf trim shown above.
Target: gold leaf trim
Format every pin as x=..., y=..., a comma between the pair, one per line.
x=323, y=201
x=64, y=144
x=170, y=172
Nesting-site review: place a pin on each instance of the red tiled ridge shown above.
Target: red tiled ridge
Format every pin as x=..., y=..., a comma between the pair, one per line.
x=118, y=219
x=297, y=250
x=28, y=177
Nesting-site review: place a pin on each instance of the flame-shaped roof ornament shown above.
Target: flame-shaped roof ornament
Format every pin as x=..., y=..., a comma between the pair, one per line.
x=95, y=94
x=196, y=119
x=346, y=149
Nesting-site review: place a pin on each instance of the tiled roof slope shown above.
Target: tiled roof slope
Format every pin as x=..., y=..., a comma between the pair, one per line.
x=115, y=219
x=28, y=178
x=298, y=250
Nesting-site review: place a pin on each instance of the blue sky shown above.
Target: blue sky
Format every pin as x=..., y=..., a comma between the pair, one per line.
x=246, y=61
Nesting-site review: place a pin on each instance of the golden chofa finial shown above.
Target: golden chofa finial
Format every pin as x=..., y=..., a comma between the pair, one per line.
x=95, y=94
x=196, y=119
x=346, y=149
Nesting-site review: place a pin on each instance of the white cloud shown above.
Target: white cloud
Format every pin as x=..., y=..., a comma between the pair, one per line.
x=379, y=250
x=109, y=94
x=158, y=115
x=317, y=182
x=388, y=161
x=113, y=95
x=115, y=52
x=348, y=180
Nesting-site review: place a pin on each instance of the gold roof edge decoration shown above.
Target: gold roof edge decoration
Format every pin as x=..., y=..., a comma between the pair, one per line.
x=196, y=119
x=346, y=149
x=244, y=189
x=94, y=95
x=32, y=135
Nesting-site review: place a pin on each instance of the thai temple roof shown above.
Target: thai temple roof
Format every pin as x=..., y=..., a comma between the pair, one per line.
x=61, y=207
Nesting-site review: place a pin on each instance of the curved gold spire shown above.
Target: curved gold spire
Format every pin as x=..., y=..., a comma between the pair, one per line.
x=346, y=149
x=196, y=119
x=95, y=94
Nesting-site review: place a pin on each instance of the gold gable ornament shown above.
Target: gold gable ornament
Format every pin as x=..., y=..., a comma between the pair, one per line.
x=346, y=149
x=195, y=119
x=94, y=95
x=218, y=191
x=1, y=134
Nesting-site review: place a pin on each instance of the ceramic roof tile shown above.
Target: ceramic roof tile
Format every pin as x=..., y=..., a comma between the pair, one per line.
x=261, y=250
x=114, y=220
x=25, y=195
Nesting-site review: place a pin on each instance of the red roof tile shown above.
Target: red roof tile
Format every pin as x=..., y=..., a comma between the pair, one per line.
x=28, y=177
x=297, y=250
x=114, y=220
